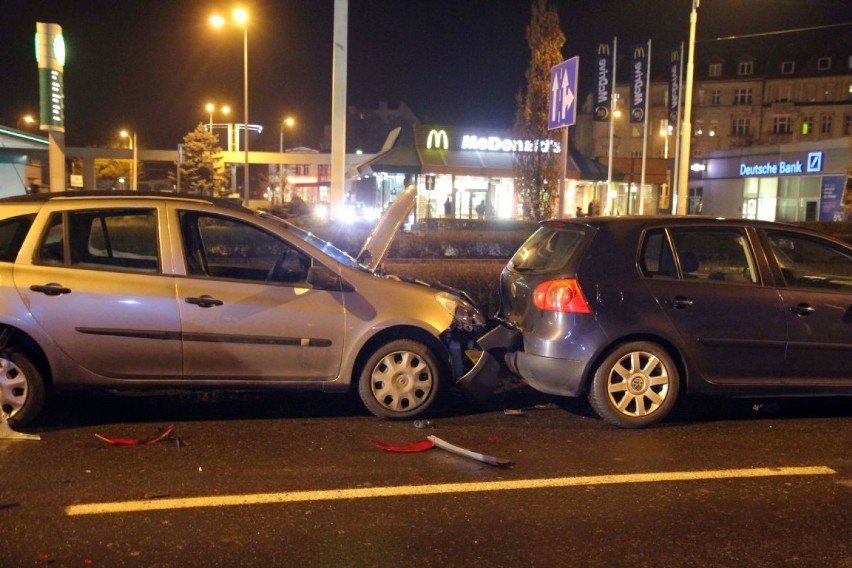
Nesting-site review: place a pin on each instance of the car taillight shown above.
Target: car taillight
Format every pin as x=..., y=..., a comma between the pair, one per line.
x=561, y=296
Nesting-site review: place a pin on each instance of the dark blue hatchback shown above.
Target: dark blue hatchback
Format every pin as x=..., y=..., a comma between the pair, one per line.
x=631, y=311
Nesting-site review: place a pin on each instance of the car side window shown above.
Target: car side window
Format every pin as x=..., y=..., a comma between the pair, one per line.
x=698, y=254
x=102, y=239
x=12, y=234
x=807, y=262
x=657, y=260
x=721, y=255
x=221, y=247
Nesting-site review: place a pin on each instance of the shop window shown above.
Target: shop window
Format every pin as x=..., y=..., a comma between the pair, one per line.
x=695, y=200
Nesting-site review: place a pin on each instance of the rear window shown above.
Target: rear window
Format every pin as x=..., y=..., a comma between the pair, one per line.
x=549, y=248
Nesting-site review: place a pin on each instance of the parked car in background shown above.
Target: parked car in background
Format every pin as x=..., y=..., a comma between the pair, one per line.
x=154, y=291
x=634, y=311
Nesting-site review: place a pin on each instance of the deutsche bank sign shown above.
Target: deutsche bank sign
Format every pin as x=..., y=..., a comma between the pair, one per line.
x=812, y=164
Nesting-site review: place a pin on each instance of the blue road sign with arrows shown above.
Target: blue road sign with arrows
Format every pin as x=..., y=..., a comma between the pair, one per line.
x=563, y=94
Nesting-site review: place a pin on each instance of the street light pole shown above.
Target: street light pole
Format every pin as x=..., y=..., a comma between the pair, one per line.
x=134, y=164
x=240, y=16
x=686, y=126
x=245, y=105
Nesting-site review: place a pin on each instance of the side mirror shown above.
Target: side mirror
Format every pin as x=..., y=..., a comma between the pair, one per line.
x=324, y=278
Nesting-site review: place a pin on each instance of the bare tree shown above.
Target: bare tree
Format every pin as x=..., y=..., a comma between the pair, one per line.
x=537, y=172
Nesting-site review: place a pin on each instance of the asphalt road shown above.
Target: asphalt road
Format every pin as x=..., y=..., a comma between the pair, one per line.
x=293, y=480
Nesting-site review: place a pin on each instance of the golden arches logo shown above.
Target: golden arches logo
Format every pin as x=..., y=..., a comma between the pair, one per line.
x=639, y=53
x=675, y=56
x=437, y=139
x=603, y=49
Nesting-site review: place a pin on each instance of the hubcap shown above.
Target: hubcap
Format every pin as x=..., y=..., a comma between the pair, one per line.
x=13, y=388
x=638, y=384
x=401, y=381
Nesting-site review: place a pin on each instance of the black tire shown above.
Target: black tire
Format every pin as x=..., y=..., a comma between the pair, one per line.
x=400, y=380
x=21, y=387
x=635, y=386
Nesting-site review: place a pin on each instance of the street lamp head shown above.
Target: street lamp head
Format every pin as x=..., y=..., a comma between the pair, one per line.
x=210, y=107
x=226, y=109
x=124, y=134
x=217, y=21
x=289, y=122
x=240, y=16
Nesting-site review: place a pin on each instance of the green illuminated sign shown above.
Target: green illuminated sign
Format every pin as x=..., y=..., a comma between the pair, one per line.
x=50, y=55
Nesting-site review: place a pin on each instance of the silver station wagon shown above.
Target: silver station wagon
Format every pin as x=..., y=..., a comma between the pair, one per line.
x=154, y=291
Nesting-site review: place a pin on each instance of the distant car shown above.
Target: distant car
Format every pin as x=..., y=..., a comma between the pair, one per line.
x=133, y=291
x=633, y=311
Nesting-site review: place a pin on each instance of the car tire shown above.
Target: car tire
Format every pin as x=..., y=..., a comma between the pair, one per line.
x=21, y=387
x=400, y=380
x=635, y=386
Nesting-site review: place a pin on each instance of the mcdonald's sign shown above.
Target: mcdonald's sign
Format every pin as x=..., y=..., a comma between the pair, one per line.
x=603, y=70
x=639, y=82
x=437, y=139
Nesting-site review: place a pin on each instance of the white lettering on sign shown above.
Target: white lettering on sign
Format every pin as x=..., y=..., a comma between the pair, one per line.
x=772, y=168
x=497, y=144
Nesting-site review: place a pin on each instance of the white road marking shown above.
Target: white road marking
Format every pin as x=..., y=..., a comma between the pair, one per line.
x=436, y=489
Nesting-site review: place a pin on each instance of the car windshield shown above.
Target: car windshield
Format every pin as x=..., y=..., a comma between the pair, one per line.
x=313, y=240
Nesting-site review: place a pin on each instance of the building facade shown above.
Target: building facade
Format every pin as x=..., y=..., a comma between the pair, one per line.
x=758, y=93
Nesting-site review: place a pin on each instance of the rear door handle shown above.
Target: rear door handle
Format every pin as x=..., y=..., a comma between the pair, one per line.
x=50, y=289
x=679, y=302
x=803, y=309
x=204, y=301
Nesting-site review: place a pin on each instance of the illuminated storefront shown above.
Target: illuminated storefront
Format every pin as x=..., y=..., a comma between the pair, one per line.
x=787, y=182
x=465, y=173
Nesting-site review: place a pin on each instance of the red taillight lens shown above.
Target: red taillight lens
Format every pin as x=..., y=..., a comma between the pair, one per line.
x=561, y=296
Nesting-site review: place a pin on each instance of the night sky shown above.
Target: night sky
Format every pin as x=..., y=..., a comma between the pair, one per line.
x=151, y=65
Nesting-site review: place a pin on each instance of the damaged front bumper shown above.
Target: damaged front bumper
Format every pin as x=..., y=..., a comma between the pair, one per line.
x=491, y=372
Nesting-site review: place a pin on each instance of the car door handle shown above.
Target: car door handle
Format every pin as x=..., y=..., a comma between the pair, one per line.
x=803, y=310
x=678, y=302
x=205, y=301
x=50, y=289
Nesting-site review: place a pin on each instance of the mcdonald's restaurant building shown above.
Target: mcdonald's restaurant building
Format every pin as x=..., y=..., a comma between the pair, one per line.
x=464, y=173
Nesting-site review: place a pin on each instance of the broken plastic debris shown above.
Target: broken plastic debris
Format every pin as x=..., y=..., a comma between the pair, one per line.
x=163, y=433
x=423, y=424
x=433, y=441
